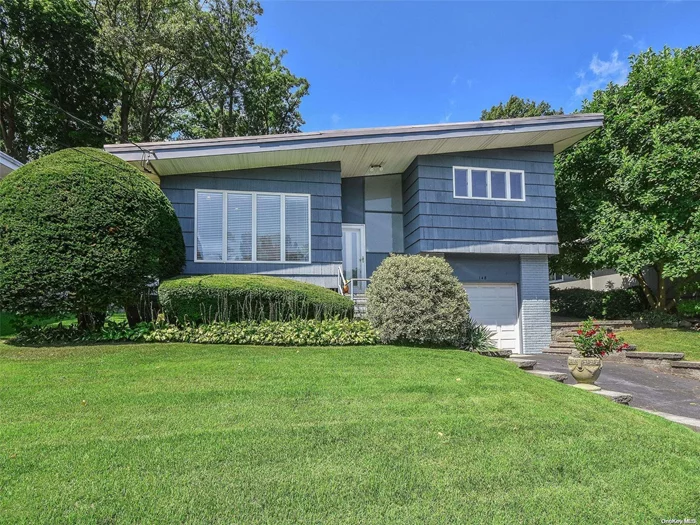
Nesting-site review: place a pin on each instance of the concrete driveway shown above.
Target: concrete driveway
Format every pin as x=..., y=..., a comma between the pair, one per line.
x=651, y=389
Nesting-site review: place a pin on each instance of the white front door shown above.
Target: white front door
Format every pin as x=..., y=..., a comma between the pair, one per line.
x=354, y=266
x=496, y=307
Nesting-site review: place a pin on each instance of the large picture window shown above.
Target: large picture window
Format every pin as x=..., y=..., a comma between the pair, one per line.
x=485, y=183
x=232, y=226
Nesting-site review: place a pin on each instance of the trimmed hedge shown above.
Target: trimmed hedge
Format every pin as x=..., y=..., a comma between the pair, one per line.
x=417, y=299
x=81, y=230
x=232, y=298
x=601, y=304
x=300, y=332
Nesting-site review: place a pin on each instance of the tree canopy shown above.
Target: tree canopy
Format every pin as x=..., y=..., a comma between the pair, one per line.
x=628, y=196
x=48, y=47
x=138, y=70
x=517, y=107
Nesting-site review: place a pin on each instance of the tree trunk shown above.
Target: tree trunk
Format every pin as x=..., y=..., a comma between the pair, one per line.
x=91, y=320
x=133, y=315
x=661, y=287
x=124, y=112
x=648, y=293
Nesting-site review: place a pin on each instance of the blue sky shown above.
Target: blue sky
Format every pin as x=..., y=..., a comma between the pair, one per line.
x=396, y=63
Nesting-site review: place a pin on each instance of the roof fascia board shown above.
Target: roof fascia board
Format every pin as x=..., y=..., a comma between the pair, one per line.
x=175, y=149
x=10, y=162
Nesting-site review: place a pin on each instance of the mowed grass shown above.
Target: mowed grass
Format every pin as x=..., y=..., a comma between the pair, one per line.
x=666, y=340
x=225, y=434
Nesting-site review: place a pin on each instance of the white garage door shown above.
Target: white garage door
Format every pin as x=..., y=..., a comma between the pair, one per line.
x=496, y=306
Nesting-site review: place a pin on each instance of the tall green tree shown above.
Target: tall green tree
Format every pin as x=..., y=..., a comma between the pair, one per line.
x=242, y=88
x=517, y=107
x=150, y=43
x=628, y=196
x=48, y=47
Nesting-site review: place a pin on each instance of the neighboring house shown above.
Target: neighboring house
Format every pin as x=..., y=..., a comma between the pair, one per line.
x=598, y=280
x=8, y=164
x=479, y=194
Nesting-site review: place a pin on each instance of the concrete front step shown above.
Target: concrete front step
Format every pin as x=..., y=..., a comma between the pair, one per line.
x=556, y=376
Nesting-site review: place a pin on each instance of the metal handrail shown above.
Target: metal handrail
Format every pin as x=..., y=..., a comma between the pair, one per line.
x=341, y=281
x=352, y=285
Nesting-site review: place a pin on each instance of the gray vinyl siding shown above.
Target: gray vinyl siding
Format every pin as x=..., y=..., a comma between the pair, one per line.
x=435, y=221
x=535, y=316
x=321, y=181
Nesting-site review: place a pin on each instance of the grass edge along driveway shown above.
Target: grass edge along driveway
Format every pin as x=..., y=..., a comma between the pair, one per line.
x=230, y=434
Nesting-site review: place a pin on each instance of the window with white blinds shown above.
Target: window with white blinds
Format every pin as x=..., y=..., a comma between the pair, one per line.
x=236, y=226
x=210, y=226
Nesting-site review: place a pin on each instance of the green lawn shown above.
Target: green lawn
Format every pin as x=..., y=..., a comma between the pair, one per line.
x=666, y=340
x=223, y=434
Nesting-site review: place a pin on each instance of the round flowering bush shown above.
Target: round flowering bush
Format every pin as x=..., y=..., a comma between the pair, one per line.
x=592, y=340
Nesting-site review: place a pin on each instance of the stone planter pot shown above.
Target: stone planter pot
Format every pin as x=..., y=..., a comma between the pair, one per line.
x=585, y=369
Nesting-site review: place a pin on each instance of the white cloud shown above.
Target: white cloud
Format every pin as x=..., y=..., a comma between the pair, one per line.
x=454, y=80
x=469, y=83
x=447, y=117
x=335, y=118
x=600, y=73
x=627, y=37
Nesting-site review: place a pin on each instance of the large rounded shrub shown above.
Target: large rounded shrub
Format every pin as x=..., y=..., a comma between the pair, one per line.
x=81, y=230
x=212, y=298
x=417, y=299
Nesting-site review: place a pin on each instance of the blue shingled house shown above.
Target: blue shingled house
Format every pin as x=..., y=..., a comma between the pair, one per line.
x=318, y=205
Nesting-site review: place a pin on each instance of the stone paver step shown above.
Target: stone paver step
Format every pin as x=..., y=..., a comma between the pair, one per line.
x=525, y=364
x=556, y=376
x=617, y=397
x=667, y=356
x=563, y=344
x=557, y=350
x=496, y=353
x=693, y=365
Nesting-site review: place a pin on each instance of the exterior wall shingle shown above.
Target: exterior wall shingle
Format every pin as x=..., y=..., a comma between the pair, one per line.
x=321, y=181
x=436, y=221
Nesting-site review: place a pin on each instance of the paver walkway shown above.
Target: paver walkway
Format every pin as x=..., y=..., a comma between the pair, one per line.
x=652, y=389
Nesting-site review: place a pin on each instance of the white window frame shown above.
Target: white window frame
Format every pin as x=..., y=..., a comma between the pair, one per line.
x=254, y=254
x=488, y=183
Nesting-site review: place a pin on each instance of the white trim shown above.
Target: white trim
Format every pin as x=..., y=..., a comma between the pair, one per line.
x=363, y=247
x=518, y=324
x=488, y=183
x=254, y=226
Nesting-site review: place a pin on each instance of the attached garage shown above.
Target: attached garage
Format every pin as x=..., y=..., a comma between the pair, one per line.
x=496, y=306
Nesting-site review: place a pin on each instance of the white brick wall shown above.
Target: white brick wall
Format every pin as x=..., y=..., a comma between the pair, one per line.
x=535, y=320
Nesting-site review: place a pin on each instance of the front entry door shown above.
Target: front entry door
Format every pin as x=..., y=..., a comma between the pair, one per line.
x=354, y=266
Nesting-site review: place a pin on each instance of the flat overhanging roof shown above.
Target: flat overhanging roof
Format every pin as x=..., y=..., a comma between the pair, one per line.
x=8, y=164
x=392, y=148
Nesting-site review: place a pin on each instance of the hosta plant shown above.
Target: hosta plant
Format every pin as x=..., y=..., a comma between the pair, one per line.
x=592, y=340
